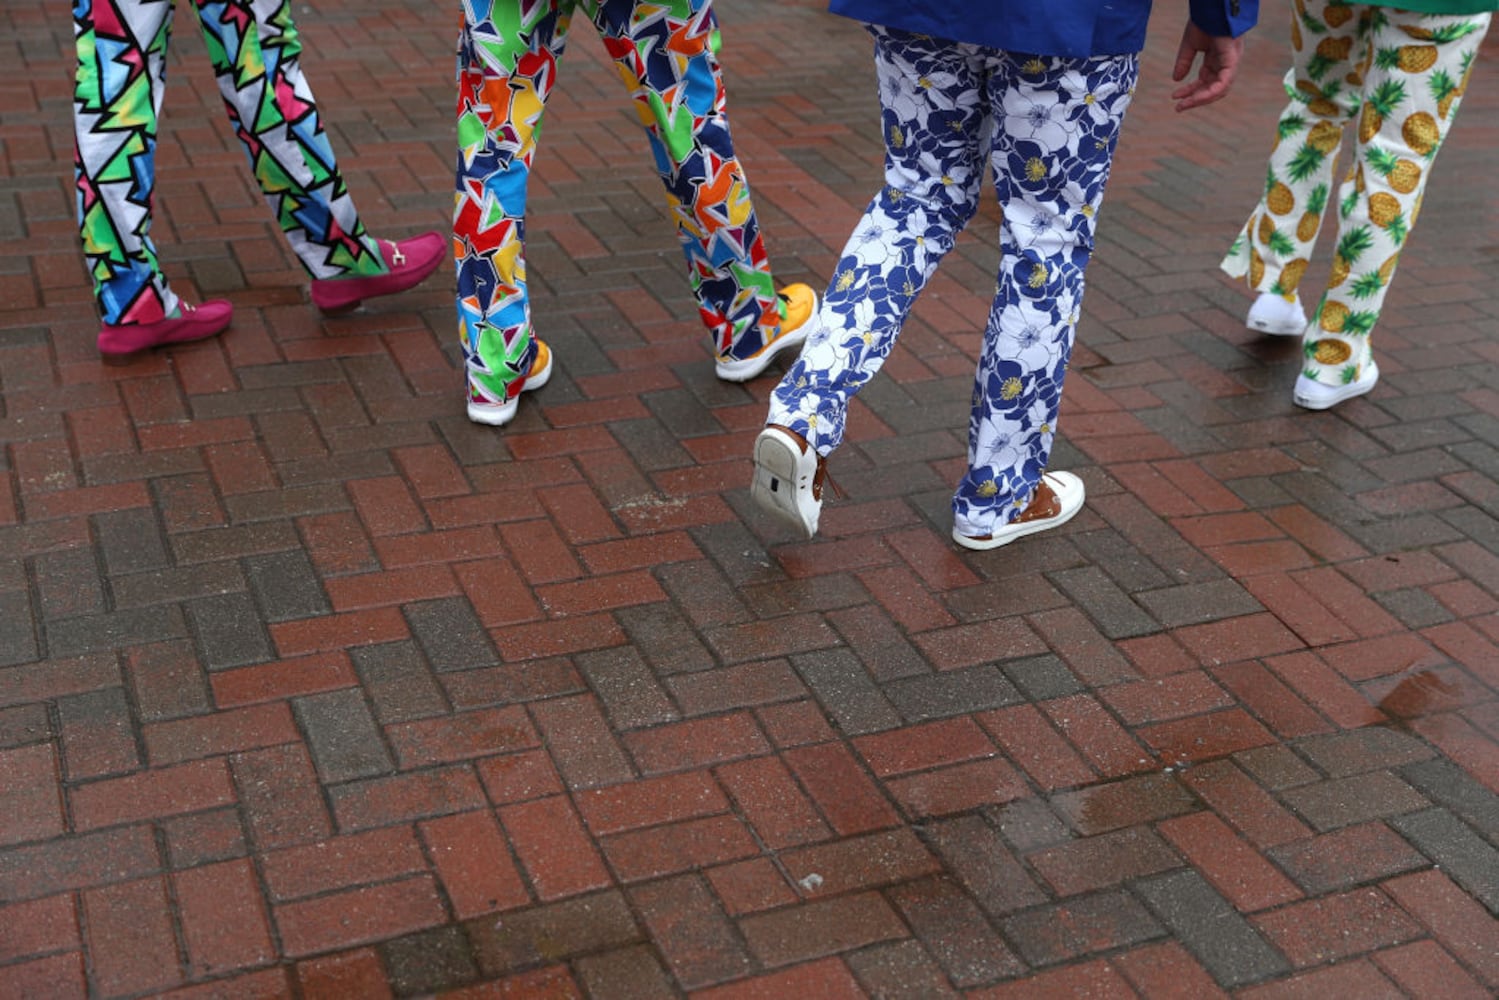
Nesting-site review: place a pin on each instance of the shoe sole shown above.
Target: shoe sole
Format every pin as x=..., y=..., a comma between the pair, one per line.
x=1011, y=532
x=744, y=369
x=491, y=415
x=122, y=358
x=1342, y=395
x=774, y=485
x=1276, y=329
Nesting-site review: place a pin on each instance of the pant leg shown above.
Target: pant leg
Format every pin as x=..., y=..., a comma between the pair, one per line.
x=667, y=55
x=507, y=63
x=932, y=117
x=118, y=86
x=1412, y=92
x=1330, y=55
x=1057, y=124
x=256, y=56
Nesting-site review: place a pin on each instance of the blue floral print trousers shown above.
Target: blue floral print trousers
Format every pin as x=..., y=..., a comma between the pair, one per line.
x=1048, y=126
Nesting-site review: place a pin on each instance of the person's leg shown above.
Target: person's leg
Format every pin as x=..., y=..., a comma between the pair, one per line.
x=934, y=169
x=1057, y=123
x=118, y=86
x=933, y=173
x=256, y=54
x=1330, y=53
x=1413, y=88
x=120, y=78
x=507, y=64
x=667, y=55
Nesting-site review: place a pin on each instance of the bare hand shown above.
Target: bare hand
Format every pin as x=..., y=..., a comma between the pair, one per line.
x=1220, y=64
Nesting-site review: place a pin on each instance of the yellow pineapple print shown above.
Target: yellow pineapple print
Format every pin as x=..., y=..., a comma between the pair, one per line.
x=1267, y=228
x=1336, y=17
x=1332, y=352
x=1334, y=319
x=1383, y=209
x=1280, y=200
x=1405, y=177
x=1421, y=133
x=1416, y=58
x=1291, y=274
x=1335, y=48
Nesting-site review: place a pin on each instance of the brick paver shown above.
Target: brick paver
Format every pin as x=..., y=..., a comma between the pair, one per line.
x=311, y=688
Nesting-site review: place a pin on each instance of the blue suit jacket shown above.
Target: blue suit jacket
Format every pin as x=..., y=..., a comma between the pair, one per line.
x=1044, y=27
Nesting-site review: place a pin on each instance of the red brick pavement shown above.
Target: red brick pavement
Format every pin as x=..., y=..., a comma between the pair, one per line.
x=311, y=688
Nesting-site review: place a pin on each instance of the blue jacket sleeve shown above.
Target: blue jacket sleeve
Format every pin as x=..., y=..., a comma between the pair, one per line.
x=1225, y=17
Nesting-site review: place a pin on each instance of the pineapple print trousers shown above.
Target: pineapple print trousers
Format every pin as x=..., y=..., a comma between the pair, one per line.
x=1048, y=127
x=119, y=84
x=1400, y=75
x=667, y=55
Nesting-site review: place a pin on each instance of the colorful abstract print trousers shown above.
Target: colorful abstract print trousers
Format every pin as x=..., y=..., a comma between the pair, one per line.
x=666, y=54
x=1055, y=123
x=121, y=76
x=1401, y=75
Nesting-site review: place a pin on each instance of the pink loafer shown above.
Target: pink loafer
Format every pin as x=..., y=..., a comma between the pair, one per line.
x=410, y=262
x=119, y=345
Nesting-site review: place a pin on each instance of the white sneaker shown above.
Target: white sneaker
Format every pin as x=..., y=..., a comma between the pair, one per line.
x=788, y=479
x=482, y=410
x=798, y=305
x=1272, y=314
x=1056, y=500
x=1318, y=396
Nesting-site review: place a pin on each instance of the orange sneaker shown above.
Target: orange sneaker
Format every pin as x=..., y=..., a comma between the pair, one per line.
x=798, y=305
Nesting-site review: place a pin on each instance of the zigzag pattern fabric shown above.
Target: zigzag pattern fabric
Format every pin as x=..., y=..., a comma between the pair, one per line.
x=666, y=55
x=120, y=81
x=1055, y=124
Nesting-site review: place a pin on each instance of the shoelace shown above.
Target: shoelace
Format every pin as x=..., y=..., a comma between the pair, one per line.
x=825, y=478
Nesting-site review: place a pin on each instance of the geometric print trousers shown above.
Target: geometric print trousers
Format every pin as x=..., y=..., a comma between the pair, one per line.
x=1048, y=127
x=1400, y=75
x=121, y=77
x=666, y=53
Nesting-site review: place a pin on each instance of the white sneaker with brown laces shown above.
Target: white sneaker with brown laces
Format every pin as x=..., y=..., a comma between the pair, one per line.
x=1058, y=497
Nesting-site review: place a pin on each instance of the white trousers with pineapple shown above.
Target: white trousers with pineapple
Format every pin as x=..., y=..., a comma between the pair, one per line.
x=1401, y=74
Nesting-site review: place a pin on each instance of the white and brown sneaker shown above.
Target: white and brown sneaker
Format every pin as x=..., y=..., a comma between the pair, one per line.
x=1058, y=497
x=789, y=477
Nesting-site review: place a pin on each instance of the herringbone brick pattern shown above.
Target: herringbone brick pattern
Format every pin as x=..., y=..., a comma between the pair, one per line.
x=310, y=688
